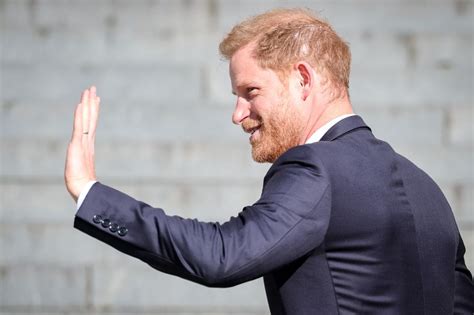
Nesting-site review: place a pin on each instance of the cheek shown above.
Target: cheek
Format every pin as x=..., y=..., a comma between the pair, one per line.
x=258, y=109
x=265, y=106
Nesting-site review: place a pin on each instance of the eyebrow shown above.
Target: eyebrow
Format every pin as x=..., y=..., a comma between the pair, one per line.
x=244, y=84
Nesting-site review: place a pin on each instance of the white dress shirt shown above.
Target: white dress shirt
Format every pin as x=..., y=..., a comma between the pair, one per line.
x=321, y=131
x=317, y=135
x=84, y=193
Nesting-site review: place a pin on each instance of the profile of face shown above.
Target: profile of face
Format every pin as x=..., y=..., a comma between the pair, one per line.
x=265, y=107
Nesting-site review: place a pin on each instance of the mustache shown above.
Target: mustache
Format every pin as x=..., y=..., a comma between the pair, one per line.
x=249, y=123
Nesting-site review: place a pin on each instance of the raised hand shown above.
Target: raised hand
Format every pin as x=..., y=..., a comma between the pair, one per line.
x=80, y=165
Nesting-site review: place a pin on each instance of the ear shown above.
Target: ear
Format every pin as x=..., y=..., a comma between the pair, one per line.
x=306, y=77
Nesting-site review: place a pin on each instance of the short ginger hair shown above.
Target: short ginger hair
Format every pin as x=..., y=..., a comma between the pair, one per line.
x=283, y=37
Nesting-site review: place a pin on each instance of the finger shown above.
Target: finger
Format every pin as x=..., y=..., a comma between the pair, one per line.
x=92, y=107
x=85, y=111
x=93, y=91
x=94, y=115
x=77, y=129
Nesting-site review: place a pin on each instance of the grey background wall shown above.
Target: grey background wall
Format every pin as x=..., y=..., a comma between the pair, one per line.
x=165, y=134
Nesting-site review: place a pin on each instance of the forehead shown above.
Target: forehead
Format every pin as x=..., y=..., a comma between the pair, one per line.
x=244, y=70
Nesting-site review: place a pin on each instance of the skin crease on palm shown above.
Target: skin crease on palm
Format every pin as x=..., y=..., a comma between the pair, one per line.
x=277, y=115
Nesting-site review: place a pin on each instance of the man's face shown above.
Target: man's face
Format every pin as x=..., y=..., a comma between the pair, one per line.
x=264, y=108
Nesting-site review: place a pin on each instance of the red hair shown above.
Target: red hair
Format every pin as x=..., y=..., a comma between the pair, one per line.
x=283, y=37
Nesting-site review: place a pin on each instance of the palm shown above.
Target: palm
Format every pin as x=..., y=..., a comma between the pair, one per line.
x=80, y=167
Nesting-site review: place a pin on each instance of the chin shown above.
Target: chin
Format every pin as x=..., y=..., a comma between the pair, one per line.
x=262, y=159
x=273, y=143
x=262, y=154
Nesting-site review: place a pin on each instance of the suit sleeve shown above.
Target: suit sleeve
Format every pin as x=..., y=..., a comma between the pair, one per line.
x=464, y=288
x=288, y=221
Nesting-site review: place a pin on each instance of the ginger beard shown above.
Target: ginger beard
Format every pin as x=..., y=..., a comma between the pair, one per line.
x=280, y=130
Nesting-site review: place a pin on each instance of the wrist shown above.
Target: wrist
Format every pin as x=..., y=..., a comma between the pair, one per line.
x=77, y=187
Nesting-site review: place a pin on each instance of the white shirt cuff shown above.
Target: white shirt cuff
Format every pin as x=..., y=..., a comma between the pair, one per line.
x=84, y=193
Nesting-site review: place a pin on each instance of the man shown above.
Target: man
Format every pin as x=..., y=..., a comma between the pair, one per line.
x=344, y=224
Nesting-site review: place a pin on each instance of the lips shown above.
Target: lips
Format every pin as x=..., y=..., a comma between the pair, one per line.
x=252, y=130
x=254, y=133
x=253, y=127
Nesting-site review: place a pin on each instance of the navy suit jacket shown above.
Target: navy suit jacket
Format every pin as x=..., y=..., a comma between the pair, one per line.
x=343, y=226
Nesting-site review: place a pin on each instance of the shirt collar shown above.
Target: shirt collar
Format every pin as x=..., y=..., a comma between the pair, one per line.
x=319, y=133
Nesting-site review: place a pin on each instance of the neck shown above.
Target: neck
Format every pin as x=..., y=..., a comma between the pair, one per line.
x=333, y=109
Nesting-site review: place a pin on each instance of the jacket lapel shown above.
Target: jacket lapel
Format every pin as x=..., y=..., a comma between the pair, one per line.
x=344, y=126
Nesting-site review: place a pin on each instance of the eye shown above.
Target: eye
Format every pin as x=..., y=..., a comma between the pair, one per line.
x=251, y=91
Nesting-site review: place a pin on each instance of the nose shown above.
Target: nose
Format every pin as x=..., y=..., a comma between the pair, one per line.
x=241, y=111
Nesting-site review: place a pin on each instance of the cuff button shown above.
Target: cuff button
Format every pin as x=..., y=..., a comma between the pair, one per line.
x=114, y=227
x=122, y=231
x=106, y=223
x=97, y=219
